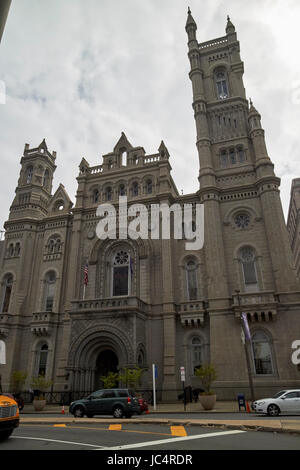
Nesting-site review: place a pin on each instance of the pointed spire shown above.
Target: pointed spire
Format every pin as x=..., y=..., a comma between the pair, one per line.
x=252, y=109
x=190, y=20
x=229, y=27
x=164, y=153
x=43, y=145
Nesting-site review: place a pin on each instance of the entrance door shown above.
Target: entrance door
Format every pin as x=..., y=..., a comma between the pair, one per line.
x=107, y=361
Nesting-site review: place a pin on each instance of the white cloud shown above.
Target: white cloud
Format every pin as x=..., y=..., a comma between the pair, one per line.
x=80, y=72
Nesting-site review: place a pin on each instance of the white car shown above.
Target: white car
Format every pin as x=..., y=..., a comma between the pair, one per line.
x=285, y=402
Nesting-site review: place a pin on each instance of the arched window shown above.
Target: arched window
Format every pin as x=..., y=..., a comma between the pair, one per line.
x=141, y=358
x=50, y=281
x=191, y=278
x=108, y=194
x=42, y=359
x=17, y=249
x=221, y=84
x=241, y=154
x=122, y=191
x=135, y=189
x=122, y=269
x=262, y=354
x=95, y=196
x=11, y=250
x=247, y=255
x=232, y=156
x=123, y=157
x=54, y=245
x=148, y=187
x=8, y=283
x=223, y=159
x=196, y=353
x=46, y=178
x=29, y=174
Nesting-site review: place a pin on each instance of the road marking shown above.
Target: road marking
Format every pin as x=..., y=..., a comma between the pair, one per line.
x=178, y=431
x=172, y=440
x=56, y=440
x=59, y=425
x=99, y=429
x=115, y=427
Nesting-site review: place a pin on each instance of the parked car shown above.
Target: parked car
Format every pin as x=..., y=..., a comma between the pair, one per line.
x=285, y=402
x=9, y=416
x=143, y=405
x=114, y=401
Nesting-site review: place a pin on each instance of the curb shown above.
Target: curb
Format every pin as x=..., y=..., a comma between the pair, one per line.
x=245, y=426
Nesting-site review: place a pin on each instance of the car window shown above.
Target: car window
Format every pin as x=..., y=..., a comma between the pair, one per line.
x=97, y=395
x=291, y=395
x=122, y=393
x=108, y=394
x=279, y=394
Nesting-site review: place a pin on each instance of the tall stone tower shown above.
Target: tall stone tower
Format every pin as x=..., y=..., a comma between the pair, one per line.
x=246, y=241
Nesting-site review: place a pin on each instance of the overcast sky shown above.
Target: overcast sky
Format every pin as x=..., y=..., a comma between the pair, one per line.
x=79, y=72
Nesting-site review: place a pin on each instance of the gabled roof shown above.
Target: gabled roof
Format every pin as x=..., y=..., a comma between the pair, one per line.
x=60, y=199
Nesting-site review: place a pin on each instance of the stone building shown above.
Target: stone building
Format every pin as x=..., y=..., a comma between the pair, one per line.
x=151, y=300
x=293, y=222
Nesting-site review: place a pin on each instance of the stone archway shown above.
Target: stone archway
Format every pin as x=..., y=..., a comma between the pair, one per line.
x=107, y=361
x=90, y=347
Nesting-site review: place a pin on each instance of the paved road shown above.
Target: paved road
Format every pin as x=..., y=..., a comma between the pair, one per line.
x=135, y=437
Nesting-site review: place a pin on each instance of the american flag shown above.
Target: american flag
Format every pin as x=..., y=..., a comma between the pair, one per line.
x=246, y=326
x=86, y=274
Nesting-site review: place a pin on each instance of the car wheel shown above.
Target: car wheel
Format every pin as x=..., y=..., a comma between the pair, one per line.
x=273, y=410
x=78, y=412
x=5, y=434
x=118, y=412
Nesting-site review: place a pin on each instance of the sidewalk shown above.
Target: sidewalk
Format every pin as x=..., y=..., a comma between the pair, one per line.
x=286, y=424
x=221, y=407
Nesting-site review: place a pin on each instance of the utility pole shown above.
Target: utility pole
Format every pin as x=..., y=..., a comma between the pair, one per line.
x=246, y=348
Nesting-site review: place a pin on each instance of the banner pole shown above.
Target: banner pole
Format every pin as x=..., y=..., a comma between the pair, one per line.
x=154, y=387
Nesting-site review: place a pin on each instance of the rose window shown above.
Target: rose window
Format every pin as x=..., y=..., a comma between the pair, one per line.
x=121, y=258
x=242, y=220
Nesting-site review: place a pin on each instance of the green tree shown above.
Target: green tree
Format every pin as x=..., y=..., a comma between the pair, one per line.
x=110, y=380
x=17, y=380
x=131, y=377
x=41, y=384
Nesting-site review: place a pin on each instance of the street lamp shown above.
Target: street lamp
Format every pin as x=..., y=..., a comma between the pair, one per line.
x=246, y=348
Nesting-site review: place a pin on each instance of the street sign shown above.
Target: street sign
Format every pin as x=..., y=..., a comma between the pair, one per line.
x=2, y=352
x=182, y=374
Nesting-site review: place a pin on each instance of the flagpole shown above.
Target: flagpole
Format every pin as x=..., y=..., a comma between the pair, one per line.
x=246, y=349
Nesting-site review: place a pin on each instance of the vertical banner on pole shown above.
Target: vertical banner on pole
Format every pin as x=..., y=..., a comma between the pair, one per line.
x=154, y=375
x=2, y=352
x=182, y=378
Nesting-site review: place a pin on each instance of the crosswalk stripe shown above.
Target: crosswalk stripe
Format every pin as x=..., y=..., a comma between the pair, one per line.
x=172, y=440
x=178, y=431
x=115, y=427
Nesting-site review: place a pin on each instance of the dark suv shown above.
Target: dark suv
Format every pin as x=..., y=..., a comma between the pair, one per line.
x=118, y=402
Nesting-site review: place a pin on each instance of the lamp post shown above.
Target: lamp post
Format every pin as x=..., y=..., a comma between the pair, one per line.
x=246, y=348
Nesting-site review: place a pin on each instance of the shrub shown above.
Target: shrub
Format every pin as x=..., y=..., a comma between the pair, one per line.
x=207, y=374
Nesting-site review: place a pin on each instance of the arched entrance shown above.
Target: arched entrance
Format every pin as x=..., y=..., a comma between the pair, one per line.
x=107, y=361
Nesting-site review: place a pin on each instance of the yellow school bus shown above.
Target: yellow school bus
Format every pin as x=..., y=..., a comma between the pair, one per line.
x=9, y=416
